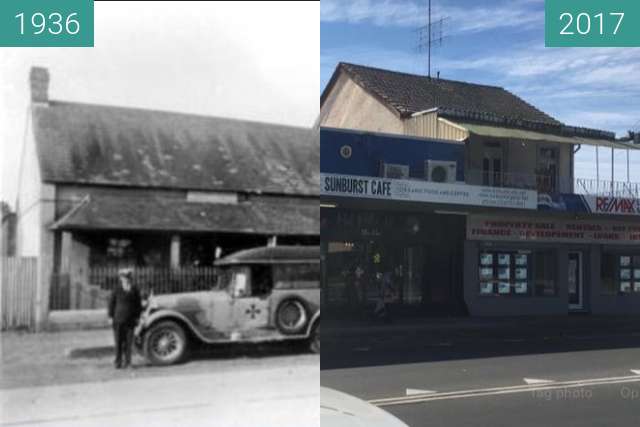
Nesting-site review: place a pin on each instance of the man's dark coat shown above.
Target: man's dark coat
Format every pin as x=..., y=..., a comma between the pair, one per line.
x=125, y=306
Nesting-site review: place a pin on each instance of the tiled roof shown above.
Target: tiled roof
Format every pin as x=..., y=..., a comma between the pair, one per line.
x=410, y=93
x=301, y=216
x=94, y=144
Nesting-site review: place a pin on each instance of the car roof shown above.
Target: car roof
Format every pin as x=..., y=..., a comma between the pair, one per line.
x=273, y=255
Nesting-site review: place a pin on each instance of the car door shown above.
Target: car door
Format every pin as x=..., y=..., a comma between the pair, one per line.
x=251, y=307
x=220, y=310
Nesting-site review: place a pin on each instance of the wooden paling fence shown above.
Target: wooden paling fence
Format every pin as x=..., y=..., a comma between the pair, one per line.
x=19, y=277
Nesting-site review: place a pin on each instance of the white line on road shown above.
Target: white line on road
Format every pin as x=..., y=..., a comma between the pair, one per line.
x=536, y=381
x=635, y=371
x=406, y=400
x=414, y=391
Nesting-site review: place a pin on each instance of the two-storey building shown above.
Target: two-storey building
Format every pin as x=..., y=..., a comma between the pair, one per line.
x=447, y=197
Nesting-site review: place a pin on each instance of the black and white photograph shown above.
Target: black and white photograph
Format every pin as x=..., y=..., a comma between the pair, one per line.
x=160, y=220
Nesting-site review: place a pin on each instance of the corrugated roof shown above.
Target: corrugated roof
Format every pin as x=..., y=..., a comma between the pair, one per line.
x=410, y=93
x=80, y=143
x=521, y=134
x=299, y=217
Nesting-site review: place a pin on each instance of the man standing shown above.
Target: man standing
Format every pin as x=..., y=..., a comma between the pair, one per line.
x=125, y=306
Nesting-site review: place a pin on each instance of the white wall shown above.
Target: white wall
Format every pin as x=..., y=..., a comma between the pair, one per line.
x=28, y=207
x=349, y=106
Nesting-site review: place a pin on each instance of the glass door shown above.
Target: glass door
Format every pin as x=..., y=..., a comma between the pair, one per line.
x=575, y=281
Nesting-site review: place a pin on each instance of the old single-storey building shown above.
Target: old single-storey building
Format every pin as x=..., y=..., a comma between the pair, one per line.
x=447, y=198
x=103, y=187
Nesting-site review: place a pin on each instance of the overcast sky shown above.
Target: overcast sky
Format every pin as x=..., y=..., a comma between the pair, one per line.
x=495, y=42
x=257, y=61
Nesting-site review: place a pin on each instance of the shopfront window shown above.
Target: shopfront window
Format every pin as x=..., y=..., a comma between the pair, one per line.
x=629, y=273
x=505, y=273
x=620, y=274
x=517, y=273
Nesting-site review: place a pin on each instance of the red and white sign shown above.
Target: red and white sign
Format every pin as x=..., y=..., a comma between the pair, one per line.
x=551, y=230
x=613, y=205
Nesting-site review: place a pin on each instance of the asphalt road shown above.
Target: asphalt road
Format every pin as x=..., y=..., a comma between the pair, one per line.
x=493, y=382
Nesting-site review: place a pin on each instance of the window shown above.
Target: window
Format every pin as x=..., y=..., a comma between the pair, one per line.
x=239, y=283
x=505, y=273
x=261, y=283
x=296, y=275
x=628, y=273
x=545, y=273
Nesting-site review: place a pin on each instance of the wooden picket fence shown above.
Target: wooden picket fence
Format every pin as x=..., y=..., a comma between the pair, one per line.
x=19, y=277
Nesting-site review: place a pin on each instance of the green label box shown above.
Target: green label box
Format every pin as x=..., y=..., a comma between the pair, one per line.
x=592, y=23
x=46, y=23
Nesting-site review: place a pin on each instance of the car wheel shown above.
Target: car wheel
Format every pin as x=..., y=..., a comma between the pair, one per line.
x=314, y=340
x=291, y=317
x=165, y=343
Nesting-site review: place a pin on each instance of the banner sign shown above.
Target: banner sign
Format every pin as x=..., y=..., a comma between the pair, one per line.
x=425, y=191
x=551, y=230
x=589, y=204
x=613, y=205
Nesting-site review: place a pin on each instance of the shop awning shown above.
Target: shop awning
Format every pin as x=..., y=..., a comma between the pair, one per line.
x=299, y=216
x=512, y=133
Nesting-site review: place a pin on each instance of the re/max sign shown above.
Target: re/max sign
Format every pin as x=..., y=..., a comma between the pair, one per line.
x=617, y=205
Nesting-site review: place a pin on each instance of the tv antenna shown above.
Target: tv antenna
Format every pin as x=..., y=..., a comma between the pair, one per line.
x=431, y=36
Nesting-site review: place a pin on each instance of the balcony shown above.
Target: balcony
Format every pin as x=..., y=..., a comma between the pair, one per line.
x=549, y=185
x=595, y=187
x=540, y=183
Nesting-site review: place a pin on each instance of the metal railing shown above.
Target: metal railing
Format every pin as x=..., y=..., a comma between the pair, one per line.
x=596, y=187
x=540, y=183
x=68, y=294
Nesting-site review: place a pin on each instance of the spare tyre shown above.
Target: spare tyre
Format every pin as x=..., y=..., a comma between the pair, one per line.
x=291, y=317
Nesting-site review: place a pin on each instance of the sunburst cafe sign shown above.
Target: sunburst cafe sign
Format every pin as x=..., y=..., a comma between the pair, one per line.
x=425, y=191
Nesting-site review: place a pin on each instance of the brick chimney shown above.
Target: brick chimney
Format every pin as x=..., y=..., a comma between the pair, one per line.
x=39, y=81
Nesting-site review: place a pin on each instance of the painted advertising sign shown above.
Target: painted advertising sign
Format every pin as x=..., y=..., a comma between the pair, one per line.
x=425, y=191
x=551, y=230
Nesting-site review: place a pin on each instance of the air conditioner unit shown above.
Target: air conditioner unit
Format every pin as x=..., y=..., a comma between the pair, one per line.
x=390, y=170
x=440, y=170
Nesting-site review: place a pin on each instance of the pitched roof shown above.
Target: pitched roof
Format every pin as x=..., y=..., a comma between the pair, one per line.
x=108, y=212
x=95, y=144
x=410, y=93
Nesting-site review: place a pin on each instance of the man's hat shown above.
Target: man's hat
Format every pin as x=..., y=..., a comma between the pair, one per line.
x=125, y=272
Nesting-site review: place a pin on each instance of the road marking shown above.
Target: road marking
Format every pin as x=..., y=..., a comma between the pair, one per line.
x=635, y=371
x=414, y=391
x=407, y=400
x=536, y=381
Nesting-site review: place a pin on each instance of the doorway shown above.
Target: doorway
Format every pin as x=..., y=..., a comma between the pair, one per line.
x=575, y=282
x=492, y=165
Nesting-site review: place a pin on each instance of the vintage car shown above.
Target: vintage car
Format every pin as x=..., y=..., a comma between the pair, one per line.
x=261, y=294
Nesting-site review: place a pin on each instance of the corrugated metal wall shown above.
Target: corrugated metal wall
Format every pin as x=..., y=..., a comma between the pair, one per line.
x=429, y=125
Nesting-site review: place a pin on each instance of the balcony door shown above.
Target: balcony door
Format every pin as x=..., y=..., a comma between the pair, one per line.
x=547, y=170
x=492, y=165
